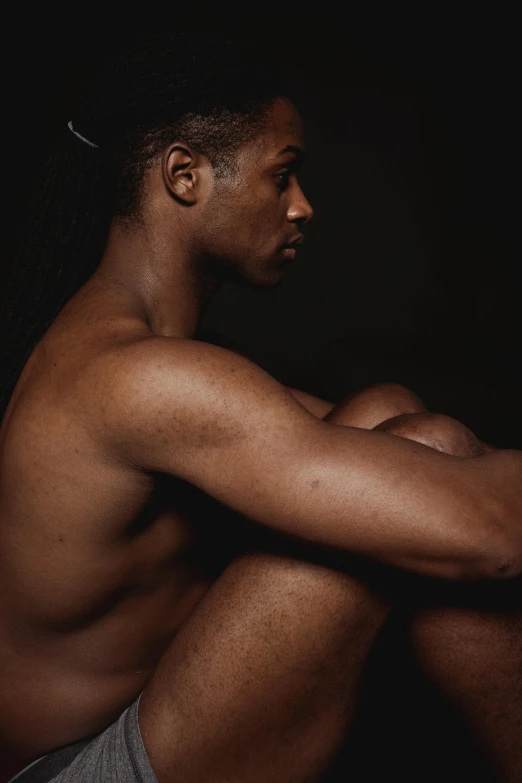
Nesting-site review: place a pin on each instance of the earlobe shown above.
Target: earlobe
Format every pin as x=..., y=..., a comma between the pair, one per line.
x=180, y=174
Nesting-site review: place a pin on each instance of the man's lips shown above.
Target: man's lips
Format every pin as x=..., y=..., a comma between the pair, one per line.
x=289, y=250
x=296, y=242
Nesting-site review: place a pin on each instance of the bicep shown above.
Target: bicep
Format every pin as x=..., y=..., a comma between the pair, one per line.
x=202, y=413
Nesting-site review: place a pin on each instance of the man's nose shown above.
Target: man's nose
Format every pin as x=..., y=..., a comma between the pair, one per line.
x=301, y=210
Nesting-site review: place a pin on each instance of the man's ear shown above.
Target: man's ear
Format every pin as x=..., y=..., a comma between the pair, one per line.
x=181, y=172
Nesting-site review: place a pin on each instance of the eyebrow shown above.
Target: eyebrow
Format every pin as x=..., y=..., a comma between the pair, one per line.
x=298, y=152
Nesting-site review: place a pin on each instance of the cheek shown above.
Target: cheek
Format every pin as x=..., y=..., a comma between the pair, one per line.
x=266, y=217
x=251, y=218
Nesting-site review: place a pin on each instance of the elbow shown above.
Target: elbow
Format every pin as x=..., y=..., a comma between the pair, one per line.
x=508, y=564
x=504, y=516
x=501, y=560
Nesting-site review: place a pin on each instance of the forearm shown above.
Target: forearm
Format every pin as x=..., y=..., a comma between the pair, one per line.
x=387, y=403
x=427, y=512
x=401, y=413
x=395, y=501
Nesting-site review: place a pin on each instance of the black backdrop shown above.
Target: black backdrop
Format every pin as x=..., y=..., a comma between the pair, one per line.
x=410, y=269
x=409, y=272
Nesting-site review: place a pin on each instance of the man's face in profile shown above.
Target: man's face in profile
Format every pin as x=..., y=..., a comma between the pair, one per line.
x=255, y=214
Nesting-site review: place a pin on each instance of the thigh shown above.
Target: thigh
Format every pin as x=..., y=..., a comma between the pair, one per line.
x=262, y=681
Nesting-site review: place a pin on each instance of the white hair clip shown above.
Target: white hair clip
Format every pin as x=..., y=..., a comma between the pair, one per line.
x=82, y=138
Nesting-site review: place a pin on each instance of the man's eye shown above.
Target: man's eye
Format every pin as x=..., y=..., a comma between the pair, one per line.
x=283, y=177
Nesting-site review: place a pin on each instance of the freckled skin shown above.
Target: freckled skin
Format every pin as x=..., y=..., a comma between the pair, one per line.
x=137, y=461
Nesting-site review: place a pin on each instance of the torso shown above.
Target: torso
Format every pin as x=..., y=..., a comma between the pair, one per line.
x=99, y=562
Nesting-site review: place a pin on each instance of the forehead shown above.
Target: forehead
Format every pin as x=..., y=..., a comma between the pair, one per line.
x=283, y=128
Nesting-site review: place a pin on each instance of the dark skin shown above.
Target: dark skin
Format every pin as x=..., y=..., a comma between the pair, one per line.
x=101, y=565
x=443, y=692
x=446, y=674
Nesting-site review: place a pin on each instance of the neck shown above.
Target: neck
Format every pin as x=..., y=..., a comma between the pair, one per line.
x=160, y=276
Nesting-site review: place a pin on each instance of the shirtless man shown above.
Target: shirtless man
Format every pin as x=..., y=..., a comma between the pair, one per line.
x=122, y=433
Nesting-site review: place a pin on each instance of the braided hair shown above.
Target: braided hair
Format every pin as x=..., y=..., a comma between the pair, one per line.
x=212, y=93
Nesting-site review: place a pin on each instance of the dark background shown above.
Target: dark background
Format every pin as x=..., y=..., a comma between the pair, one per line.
x=410, y=269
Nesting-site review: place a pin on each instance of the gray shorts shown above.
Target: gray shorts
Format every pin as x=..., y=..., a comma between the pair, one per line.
x=115, y=756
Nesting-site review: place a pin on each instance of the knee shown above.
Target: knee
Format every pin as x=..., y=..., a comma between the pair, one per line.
x=373, y=404
x=435, y=430
x=394, y=394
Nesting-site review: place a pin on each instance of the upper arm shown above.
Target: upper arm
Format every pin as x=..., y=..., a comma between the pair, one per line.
x=201, y=412
x=214, y=419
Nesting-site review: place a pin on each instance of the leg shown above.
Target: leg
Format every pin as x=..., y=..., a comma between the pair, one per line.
x=465, y=644
x=262, y=682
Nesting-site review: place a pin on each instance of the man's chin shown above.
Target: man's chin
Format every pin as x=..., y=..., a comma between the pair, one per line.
x=272, y=279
